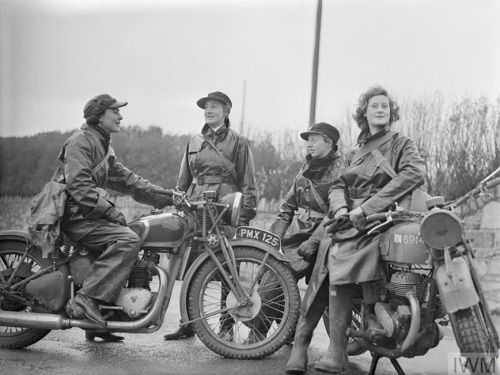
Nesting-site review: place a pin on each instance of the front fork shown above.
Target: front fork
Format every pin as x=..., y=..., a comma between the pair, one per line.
x=242, y=289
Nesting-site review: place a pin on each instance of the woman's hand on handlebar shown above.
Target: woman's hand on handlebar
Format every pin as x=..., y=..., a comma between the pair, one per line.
x=357, y=217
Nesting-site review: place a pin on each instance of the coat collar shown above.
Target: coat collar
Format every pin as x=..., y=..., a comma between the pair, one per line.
x=219, y=134
x=366, y=136
x=101, y=134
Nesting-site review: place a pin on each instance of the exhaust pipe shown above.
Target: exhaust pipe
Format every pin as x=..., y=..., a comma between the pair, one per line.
x=411, y=337
x=55, y=321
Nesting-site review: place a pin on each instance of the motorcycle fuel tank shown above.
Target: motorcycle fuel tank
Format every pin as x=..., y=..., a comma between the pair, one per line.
x=403, y=244
x=165, y=230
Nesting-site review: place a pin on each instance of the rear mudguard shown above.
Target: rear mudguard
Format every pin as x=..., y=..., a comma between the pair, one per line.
x=456, y=290
x=51, y=289
x=204, y=256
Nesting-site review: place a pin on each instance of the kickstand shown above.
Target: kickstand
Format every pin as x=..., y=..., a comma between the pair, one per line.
x=395, y=364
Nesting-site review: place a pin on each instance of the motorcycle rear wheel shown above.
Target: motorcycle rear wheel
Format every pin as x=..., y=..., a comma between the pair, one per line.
x=278, y=297
x=471, y=334
x=11, y=253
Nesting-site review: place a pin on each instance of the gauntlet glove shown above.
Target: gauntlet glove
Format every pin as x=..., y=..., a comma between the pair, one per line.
x=307, y=250
x=279, y=228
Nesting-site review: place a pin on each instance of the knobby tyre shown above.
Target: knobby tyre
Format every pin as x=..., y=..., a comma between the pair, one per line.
x=472, y=336
x=267, y=324
x=11, y=254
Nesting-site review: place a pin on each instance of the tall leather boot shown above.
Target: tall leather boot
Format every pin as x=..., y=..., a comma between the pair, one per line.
x=297, y=363
x=335, y=359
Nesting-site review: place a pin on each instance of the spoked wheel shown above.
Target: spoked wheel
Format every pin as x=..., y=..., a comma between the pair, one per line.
x=12, y=261
x=256, y=330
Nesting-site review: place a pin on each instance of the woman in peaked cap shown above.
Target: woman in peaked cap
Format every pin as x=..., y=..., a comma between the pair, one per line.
x=217, y=159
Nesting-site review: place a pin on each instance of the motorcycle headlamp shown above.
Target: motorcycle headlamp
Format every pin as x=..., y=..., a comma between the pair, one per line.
x=441, y=229
x=235, y=201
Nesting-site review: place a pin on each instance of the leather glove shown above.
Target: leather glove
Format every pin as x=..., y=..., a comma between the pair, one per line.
x=307, y=250
x=279, y=228
x=163, y=197
x=243, y=222
x=342, y=222
x=112, y=214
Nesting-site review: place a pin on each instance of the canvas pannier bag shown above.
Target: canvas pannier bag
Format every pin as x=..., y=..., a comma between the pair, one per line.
x=47, y=209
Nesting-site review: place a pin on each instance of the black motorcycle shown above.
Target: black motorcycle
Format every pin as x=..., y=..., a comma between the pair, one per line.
x=430, y=281
x=240, y=281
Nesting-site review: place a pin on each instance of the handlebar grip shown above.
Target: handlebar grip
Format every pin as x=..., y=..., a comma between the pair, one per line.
x=169, y=192
x=375, y=217
x=493, y=183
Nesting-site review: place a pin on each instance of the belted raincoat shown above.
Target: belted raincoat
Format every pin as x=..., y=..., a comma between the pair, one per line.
x=365, y=184
x=304, y=207
x=227, y=168
x=306, y=203
x=87, y=202
x=85, y=221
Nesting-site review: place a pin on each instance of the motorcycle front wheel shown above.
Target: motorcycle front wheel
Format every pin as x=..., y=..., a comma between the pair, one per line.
x=250, y=332
x=472, y=336
x=11, y=260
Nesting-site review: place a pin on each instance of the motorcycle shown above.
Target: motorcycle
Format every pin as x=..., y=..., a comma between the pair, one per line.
x=431, y=280
x=240, y=280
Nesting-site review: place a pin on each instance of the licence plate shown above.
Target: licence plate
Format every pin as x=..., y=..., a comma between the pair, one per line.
x=259, y=235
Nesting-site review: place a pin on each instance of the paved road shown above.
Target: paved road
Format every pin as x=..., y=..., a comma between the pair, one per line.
x=67, y=352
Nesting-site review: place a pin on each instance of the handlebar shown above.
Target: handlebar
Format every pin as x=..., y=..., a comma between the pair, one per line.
x=384, y=217
x=173, y=193
x=492, y=183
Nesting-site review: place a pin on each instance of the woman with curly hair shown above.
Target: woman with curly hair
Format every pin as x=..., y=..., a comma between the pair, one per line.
x=364, y=188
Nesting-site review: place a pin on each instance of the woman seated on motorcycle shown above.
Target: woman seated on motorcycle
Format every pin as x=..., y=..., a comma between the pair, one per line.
x=90, y=219
x=218, y=159
x=363, y=189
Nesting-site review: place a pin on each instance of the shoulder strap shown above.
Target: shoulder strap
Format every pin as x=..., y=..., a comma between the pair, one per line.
x=228, y=163
x=60, y=169
x=383, y=163
x=103, y=161
x=367, y=148
x=317, y=197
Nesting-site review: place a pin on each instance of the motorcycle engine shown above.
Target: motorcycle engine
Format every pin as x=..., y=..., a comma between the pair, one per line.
x=403, y=282
x=394, y=313
x=135, y=299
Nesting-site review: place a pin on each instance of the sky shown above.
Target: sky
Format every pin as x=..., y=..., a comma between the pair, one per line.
x=163, y=55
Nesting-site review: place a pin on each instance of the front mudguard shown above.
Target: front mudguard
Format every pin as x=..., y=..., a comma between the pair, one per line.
x=456, y=288
x=14, y=235
x=200, y=260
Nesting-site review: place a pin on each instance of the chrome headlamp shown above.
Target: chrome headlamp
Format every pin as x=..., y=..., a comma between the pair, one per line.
x=235, y=201
x=441, y=229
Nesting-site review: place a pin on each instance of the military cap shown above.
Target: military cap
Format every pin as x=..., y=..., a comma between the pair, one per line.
x=322, y=128
x=98, y=104
x=217, y=95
